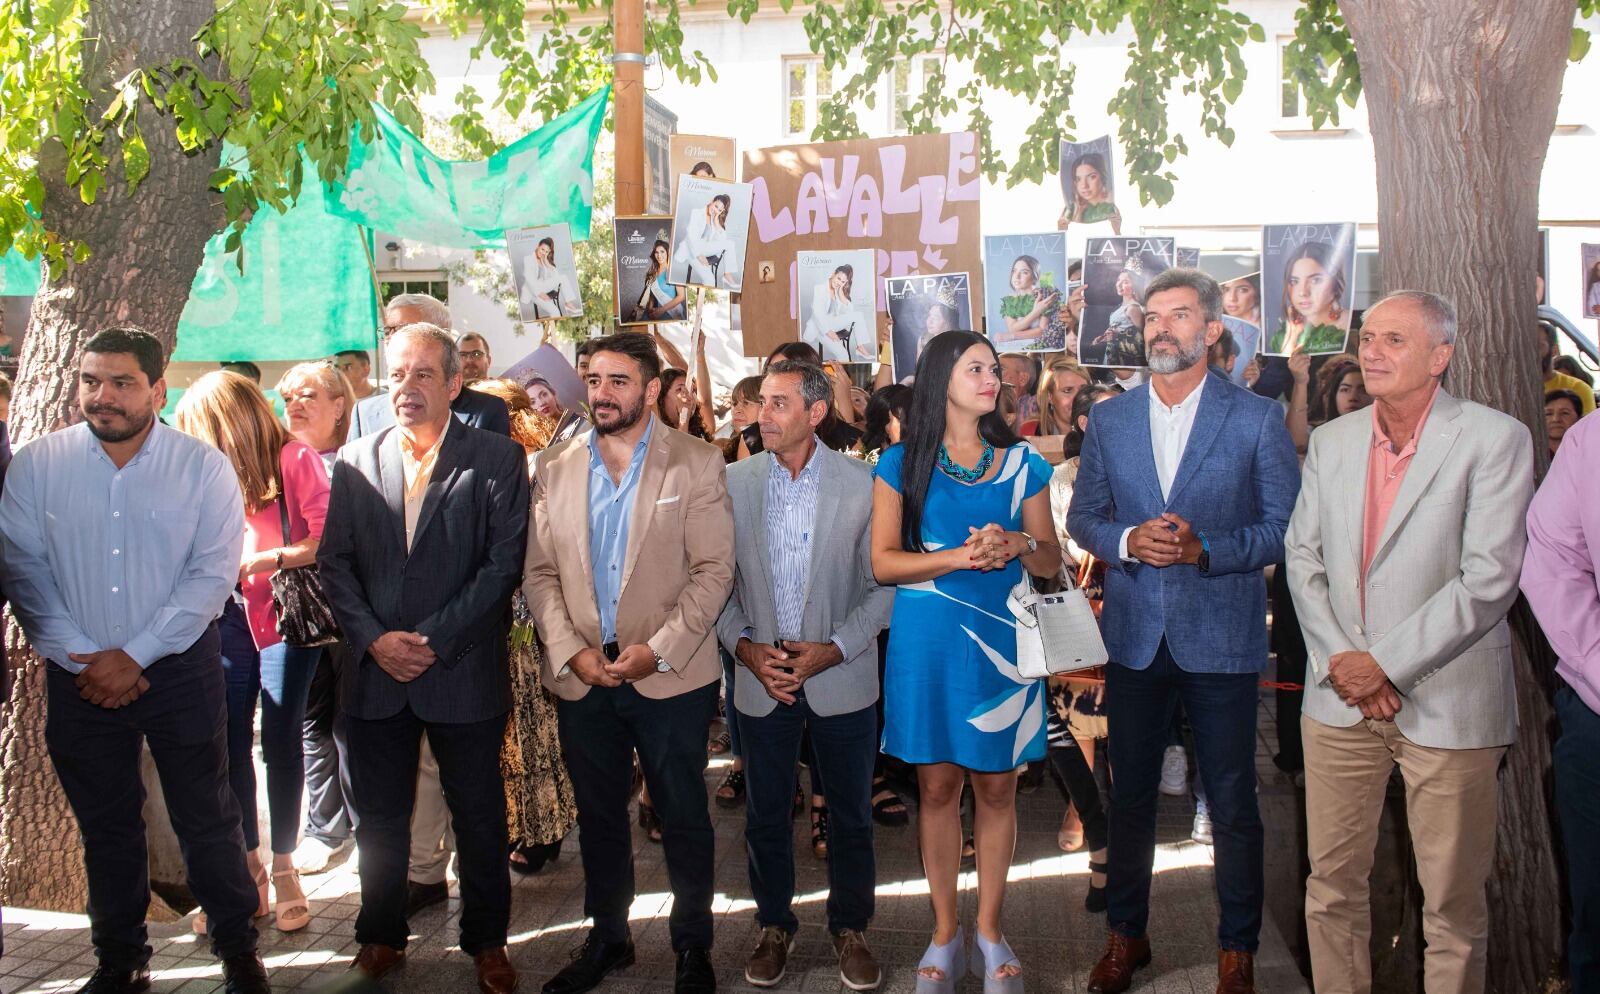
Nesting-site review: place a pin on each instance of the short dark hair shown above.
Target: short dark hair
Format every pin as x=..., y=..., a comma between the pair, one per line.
x=795, y=352
x=137, y=342
x=1203, y=285
x=361, y=354
x=815, y=387
x=586, y=347
x=636, y=346
x=244, y=367
x=1570, y=396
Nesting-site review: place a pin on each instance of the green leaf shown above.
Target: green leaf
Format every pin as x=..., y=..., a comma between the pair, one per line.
x=1257, y=33
x=135, y=160
x=1581, y=42
x=89, y=188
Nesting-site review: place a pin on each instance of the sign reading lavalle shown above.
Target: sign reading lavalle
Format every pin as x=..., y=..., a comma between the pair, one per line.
x=914, y=200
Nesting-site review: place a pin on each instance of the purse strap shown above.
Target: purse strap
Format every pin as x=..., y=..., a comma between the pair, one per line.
x=283, y=502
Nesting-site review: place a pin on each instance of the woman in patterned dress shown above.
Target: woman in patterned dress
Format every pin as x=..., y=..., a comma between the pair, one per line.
x=960, y=507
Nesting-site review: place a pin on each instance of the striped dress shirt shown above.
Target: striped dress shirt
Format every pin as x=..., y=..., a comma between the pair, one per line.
x=791, y=517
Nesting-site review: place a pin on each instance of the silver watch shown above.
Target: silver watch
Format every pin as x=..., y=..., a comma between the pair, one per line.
x=1033, y=543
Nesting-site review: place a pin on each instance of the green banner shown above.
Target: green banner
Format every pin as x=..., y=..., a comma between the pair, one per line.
x=18, y=276
x=305, y=292
x=395, y=185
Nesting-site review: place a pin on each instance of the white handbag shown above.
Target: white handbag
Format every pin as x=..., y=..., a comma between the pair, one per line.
x=1056, y=633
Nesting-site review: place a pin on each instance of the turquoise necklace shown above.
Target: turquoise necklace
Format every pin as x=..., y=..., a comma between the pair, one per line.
x=949, y=467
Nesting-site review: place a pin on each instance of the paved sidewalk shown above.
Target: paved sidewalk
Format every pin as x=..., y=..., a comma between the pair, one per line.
x=1055, y=938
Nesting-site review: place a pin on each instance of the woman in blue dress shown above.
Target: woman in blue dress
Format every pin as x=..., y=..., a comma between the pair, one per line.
x=959, y=509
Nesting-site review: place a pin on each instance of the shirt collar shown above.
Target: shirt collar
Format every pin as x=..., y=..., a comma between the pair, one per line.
x=1184, y=406
x=1380, y=439
x=408, y=445
x=152, y=441
x=595, y=462
x=810, y=468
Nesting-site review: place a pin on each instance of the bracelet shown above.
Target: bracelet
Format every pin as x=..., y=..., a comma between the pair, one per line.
x=277, y=557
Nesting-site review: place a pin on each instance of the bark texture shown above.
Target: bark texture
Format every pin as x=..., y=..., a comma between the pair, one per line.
x=1462, y=100
x=145, y=251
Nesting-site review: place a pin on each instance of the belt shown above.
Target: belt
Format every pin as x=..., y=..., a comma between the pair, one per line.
x=611, y=651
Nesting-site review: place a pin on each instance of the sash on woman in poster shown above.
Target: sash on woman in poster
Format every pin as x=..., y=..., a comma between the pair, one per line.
x=1591, y=280
x=1086, y=184
x=545, y=271
x=838, y=309
x=1115, y=274
x=1025, y=291
x=711, y=227
x=643, y=255
x=1308, y=279
x=922, y=307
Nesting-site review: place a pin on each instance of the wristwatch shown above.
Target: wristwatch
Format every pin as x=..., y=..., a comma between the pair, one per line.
x=1033, y=543
x=662, y=666
x=1203, y=563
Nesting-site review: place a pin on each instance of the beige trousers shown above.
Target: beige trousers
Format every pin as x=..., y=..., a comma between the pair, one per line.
x=1451, y=807
x=432, y=840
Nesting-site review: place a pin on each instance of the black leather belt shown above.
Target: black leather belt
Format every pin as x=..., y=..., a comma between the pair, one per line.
x=611, y=651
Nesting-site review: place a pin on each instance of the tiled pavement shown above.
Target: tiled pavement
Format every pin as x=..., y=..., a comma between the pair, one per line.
x=1055, y=938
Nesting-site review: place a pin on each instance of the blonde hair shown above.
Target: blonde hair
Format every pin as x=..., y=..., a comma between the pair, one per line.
x=1047, y=386
x=230, y=413
x=529, y=428
x=326, y=377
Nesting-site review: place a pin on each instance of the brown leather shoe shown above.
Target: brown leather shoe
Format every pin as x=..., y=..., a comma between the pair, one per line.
x=496, y=975
x=770, y=961
x=858, y=969
x=376, y=959
x=1236, y=972
x=1123, y=955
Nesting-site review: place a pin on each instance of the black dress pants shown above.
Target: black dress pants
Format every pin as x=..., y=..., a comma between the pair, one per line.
x=383, y=777
x=96, y=753
x=600, y=733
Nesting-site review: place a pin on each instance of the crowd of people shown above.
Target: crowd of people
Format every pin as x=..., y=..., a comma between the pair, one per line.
x=469, y=618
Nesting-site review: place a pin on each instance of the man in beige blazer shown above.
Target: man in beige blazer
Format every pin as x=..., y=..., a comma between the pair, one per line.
x=630, y=561
x=1403, y=555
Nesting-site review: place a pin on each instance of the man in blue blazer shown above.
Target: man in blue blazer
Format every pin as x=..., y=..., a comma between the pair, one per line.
x=1185, y=487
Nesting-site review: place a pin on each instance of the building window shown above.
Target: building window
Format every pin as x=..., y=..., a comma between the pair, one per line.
x=807, y=83
x=1291, y=102
x=434, y=285
x=907, y=81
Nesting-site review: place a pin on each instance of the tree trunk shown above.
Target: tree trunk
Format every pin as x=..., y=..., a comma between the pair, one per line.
x=1462, y=99
x=145, y=250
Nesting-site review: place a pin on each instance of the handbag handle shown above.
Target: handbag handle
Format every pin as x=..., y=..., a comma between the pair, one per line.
x=283, y=502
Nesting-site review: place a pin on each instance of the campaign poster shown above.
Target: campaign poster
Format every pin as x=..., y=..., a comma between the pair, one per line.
x=1086, y=184
x=1025, y=278
x=644, y=294
x=838, y=304
x=1308, y=287
x=659, y=181
x=1115, y=274
x=913, y=199
x=922, y=307
x=1591, y=281
x=703, y=157
x=709, y=233
x=546, y=366
x=1188, y=258
x=545, y=272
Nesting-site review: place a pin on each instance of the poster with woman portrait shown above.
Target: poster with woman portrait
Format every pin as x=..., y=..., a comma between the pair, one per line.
x=1308, y=287
x=710, y=229
x=1115, y=274
x=1591, y=281
x=1025, y=291
x=1086, y=184
x=838, y=312
x=921, y=307
x=703, y=157
x=545, y=272
x=643, y=294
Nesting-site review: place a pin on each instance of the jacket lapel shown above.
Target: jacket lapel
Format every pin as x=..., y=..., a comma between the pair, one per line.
x=1141, y=443
x=755, y=498
x=446, y=467
x=393, y=474
x=1208, y=420
x=827, y=513
x=574, y=514
x=652, y=477
x=1436, y=437
x=1355, y=498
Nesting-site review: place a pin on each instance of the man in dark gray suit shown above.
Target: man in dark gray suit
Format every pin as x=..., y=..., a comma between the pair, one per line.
x=427, y=524
x=804, y=620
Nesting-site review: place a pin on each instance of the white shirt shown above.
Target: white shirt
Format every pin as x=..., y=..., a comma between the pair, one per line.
x=1170, y=428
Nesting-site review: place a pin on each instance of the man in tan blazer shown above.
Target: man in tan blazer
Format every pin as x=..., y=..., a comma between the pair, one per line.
x=630, y=561
x=1403, y=555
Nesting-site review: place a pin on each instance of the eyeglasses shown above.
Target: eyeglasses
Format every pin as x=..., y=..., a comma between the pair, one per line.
x=475, y=354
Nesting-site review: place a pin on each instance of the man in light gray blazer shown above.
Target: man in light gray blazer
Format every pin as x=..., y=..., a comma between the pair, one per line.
x=1403, y=557
x=804, y=620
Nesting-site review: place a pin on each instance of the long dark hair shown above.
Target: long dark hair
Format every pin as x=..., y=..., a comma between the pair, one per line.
x=892, y=401
x=655, y=267
x=1084, y=399
x=1324, y=407
x=849, y=278
x=923, y=431
x=669, y=379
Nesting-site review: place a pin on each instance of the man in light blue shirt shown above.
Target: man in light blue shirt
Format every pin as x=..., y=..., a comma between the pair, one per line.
x=120, y=541
x=610, y=507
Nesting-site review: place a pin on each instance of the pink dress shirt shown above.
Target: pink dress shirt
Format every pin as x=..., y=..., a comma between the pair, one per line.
x=1386, y=471
x=1563, y=559
x=305, y=481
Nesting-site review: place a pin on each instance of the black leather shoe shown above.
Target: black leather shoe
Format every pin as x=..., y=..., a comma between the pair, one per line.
x=695, y=975
x=108, y=981
x=591, y=962
x=245, y=974
x=422, y=896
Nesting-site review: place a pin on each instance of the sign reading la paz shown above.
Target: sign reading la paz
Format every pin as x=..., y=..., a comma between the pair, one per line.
x=1127, y=247
x=914, y=200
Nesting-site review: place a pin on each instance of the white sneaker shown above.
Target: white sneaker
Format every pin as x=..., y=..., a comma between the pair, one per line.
x=315, y=856
x=1201, y=832
x=1175, y=772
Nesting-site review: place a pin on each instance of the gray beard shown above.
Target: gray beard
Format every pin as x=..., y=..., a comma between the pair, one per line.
x=1167, y=363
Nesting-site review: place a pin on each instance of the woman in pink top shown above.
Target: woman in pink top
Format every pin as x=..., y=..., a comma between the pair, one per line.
x=230, y=413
